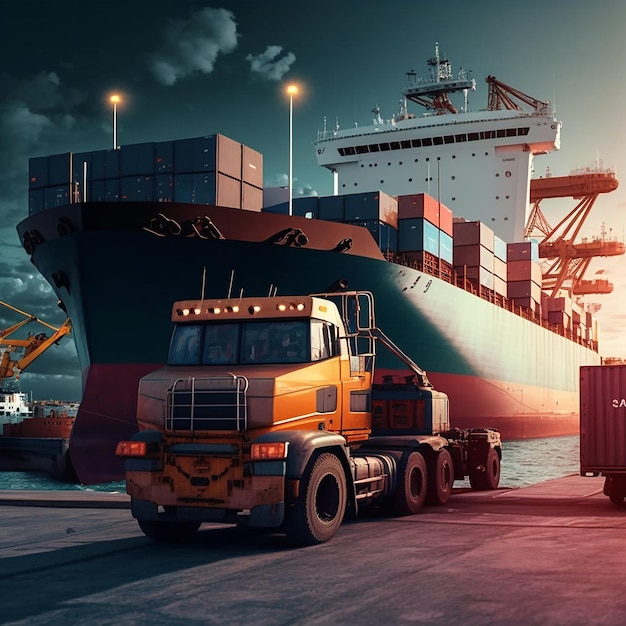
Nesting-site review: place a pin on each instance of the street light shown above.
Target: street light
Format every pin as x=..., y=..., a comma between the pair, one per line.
x=291, y=90
x=115, y=99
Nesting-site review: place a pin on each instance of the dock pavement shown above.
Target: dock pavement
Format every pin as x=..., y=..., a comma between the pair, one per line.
x=551, y=553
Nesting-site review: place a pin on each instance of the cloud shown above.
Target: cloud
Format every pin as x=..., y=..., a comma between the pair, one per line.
x=270, y=64
x=194, y=45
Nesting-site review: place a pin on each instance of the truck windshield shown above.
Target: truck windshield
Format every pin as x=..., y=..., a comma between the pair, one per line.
x=284, y=341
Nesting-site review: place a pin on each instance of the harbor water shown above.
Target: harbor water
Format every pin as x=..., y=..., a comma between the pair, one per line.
x=524, y=463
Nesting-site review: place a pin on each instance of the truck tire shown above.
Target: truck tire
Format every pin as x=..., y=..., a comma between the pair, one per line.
x=321, y=504
x=410, y=492
x=168, y=531
x=615, y=488
x=487, y=476
x=440, y=478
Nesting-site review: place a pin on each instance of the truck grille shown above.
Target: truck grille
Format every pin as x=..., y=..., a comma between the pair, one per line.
x=218, y=403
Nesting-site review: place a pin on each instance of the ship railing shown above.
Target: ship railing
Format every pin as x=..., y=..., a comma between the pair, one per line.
x=209, y=403
x=444, y=271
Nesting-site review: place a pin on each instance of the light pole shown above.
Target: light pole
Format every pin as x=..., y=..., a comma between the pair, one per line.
x=291, y=90
x=115, y=99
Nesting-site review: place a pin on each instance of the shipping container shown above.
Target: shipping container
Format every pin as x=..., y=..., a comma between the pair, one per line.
x=105, y=165
x=104, y=190
x=195, y=188
x=524, y=270
x=422, y=205
x=228, y=161
x=137, y=160
x=251, y=167
x=418, y=234
x=227, y=191
x=500, y=286
x=526, y=303
x=251, y=197
x=164, y=157
x=499, y=248
x=331, y=208
x=522, y=251
x=35, y=201
x=523, y=289
x=472, y=254
x=59, y=169
x=476, y=274
x=473, y=233
x=386, y=236
x=195, y=155
x=603, y=419
x=371, y=205
x=164, y=187
x=38, y=172
x=57, y=195
x=446, y=248
x=499, y=268
x=137, y=189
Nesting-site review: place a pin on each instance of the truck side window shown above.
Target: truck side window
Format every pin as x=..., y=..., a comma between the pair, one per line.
x=323, y=340
x=185, y=345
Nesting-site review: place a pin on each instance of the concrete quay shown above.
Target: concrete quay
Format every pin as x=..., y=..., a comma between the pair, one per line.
x=552, y=553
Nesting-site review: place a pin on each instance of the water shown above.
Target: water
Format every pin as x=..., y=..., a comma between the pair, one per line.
x=523, y=463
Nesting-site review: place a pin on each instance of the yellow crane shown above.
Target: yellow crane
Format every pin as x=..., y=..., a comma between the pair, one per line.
x=18, y=354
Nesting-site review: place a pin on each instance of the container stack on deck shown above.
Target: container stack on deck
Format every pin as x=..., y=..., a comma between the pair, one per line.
x=204, y=170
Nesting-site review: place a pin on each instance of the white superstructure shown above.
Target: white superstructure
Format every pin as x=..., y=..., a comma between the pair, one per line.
x=478, y=164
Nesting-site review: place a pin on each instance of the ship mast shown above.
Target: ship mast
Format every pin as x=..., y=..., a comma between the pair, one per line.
x=433, y=93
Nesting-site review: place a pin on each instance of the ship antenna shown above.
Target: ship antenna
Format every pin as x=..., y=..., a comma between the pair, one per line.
x=230, y=286
x=203, y=285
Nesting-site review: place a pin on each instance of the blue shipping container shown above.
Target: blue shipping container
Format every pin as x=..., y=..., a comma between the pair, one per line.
x=195, y=155
x=417, y=233
x=194, y=188
x=137, y=159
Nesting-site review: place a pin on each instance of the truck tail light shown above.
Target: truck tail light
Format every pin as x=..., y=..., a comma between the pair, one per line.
x=131, y=448
x=269, y=451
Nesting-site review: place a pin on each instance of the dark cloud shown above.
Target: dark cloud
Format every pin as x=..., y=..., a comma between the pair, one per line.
x=194, y=44
x=270, y=64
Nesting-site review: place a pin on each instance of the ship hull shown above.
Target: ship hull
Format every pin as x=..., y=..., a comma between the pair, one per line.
x=118, y=281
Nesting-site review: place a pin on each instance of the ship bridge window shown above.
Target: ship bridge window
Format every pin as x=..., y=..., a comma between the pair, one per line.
x=523, y=131
x=405, y=144
x=448, y=139
x=501, y=132
x=384, y=147
x=416, y=143
x=361, y=149
x=438, y=141
x=460, y=138
x=395, y=145
x=488, y=134
x=427, y=141
x=373, y=147
x=472, y=136
x=511, y=132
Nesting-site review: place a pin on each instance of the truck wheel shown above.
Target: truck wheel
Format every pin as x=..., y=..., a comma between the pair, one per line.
x=318, y=512
x=440, y=478
x=410, y=491
x=168, y=531
x=614, y=488
x=487, y=476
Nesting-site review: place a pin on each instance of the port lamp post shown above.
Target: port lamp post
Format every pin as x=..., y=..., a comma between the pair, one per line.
x=292, y=90
x=115, y=99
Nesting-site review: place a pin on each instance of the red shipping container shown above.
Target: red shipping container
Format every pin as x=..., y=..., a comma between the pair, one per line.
x=251, y=167
x=251, y=197
x=422, y=205
x=524, y=270
x=524, y=289
x=603, y=419
x=468, y=233
x=228, y=157
x=228, y=191
x=472, y=255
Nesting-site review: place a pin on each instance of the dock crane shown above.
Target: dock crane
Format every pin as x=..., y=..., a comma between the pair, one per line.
x=568, y=261
x=18, y=354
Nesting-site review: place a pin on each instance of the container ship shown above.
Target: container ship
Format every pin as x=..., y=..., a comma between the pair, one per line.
x=429, y=214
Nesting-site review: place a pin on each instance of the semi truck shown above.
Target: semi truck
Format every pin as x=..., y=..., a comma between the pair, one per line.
x=267, y=415
x=603, y=427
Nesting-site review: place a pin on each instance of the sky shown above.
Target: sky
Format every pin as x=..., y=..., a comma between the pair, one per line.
x=187, y=69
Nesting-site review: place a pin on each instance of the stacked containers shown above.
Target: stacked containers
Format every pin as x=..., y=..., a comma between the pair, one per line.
x=524, y=275
x=499, y=267
x=425, y=233
x=557, y=310
x=474, y=253
x=208, y=170
x=377, y=212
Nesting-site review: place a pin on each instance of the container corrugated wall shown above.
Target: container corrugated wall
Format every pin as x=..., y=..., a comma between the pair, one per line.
x=603, y=418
